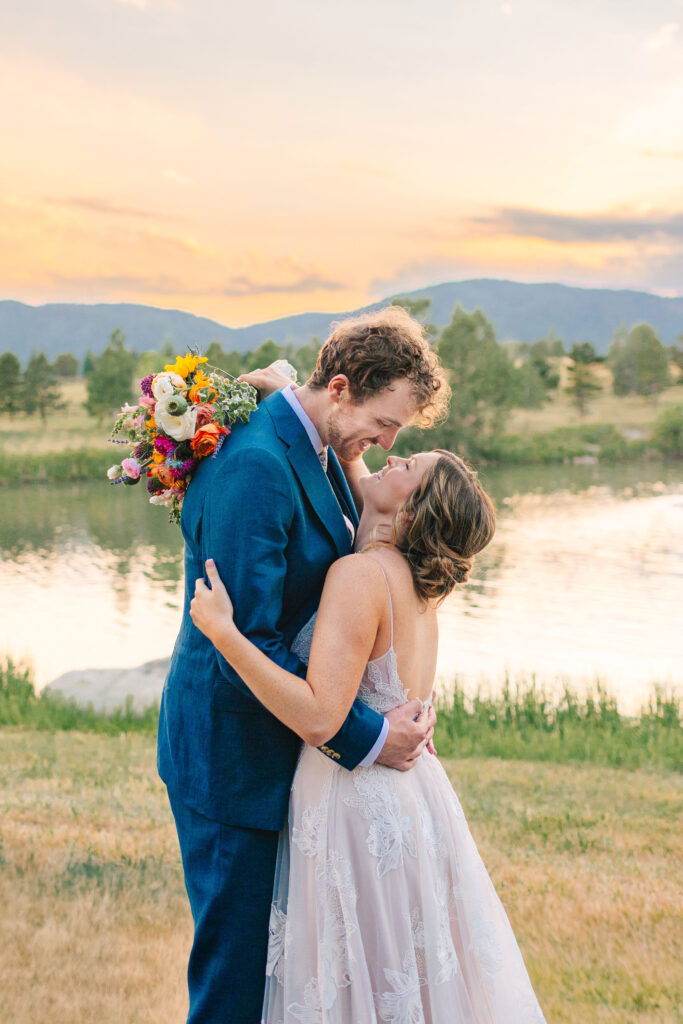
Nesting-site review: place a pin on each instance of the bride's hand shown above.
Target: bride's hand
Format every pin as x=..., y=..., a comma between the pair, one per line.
x=275, y=377
x=211, y=609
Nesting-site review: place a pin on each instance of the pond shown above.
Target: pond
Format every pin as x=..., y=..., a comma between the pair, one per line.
x=584, y=580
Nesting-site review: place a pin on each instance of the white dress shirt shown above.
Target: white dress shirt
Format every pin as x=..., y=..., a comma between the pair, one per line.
x=289, y=394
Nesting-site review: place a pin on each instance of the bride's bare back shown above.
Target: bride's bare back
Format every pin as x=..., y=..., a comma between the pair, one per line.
x=415, y=635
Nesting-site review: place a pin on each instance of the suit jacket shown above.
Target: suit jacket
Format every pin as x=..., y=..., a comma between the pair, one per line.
x=265, y=511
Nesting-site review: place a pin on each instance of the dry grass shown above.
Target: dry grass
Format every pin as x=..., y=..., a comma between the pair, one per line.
x=586, y=863
x=630, y=412
x=69, y=428
x=95, y=926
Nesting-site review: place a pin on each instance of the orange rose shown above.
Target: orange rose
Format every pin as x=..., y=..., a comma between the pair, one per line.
x=195, y=394
x=206, y=438
x=204, y=415
x=165, y=476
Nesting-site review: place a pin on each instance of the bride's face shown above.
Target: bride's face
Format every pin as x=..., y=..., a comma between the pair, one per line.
x=387, y=489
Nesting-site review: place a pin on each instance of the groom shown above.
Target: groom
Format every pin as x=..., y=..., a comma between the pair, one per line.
x=274, y=510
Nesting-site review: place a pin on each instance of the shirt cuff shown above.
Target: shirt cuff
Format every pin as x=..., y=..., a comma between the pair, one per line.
x=376, y=749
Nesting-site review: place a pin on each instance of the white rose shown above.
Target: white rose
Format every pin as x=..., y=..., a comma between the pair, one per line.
x=114, y=472
x=166, y=384
x=180, y=428
x=162, y=498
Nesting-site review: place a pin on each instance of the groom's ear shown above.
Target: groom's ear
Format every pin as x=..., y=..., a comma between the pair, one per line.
x=339, y=388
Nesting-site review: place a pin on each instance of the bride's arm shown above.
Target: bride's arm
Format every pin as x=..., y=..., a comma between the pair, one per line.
x=345, y=631
x=353, y=471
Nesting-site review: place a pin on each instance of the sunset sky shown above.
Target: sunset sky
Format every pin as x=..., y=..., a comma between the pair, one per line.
x=247, y=161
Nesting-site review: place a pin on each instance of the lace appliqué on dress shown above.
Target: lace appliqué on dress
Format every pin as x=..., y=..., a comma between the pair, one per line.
x=402, y=1005
x=390, y=831
x=381, y=689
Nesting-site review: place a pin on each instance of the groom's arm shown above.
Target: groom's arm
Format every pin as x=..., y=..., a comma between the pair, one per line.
x=245, y=524
x=246, y=532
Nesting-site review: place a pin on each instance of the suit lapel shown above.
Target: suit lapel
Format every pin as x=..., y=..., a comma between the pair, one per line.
x=309, y=472
x=336, y=475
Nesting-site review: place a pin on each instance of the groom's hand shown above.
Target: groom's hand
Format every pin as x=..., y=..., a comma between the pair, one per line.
x=408, y=735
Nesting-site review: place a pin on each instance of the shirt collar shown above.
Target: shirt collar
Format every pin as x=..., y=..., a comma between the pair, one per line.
x=289, y=395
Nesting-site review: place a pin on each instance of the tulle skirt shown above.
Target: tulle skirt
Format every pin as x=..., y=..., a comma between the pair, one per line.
x=383, y=910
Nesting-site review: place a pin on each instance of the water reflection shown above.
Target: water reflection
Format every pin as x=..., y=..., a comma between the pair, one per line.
x=584, y=578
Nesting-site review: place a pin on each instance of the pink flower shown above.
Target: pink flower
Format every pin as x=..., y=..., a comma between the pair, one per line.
x=205, y=414
x=164, y=445
x=148, y=401
x=131, y=467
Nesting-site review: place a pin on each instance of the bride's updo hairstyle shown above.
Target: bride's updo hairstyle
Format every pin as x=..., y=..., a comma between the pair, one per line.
x=444, y=523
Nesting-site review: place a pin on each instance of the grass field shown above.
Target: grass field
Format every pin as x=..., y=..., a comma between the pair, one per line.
x=70, y=428
x=631, y=412
x=523, y=722
x=95, y=927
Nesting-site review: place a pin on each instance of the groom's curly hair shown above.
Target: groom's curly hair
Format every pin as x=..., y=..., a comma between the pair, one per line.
x=375, y=349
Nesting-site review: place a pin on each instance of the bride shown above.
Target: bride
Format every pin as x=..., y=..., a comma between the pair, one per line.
x=383, y=910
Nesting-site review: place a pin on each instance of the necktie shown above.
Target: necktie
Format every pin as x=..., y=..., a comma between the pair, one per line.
x=323, y=459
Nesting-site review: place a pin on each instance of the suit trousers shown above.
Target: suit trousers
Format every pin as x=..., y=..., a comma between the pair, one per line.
x=229, y=873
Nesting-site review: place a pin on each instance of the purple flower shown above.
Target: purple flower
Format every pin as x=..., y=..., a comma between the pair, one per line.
x=146, y=385
x=154, y=485
x=179, y=470
x=164, y=445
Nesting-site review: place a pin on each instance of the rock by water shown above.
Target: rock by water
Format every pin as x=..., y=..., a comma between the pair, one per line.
x=107, y=689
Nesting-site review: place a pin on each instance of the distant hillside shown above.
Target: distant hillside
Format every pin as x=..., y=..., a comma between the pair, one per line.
x=525, y=312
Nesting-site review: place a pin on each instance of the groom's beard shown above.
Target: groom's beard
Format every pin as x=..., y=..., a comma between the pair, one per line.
x=346, y=447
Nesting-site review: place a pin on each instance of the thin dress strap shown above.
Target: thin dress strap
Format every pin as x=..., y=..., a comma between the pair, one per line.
x=391, y=607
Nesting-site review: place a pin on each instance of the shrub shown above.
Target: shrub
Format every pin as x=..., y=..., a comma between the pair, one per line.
x=667, y=431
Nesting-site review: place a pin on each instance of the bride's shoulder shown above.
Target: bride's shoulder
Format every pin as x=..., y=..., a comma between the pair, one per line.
x=357, y=570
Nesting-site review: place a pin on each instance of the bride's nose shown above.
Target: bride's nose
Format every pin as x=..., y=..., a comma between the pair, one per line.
x=395, y=460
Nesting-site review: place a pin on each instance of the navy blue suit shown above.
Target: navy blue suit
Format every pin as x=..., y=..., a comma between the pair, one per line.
x=271, y=519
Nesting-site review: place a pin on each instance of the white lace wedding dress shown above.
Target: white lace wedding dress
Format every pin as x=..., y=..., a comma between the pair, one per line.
x=383, y=910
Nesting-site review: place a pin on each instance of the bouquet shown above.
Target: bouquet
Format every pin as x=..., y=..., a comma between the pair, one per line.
x=182, y=416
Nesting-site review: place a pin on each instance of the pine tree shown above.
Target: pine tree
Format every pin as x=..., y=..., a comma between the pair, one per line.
x=231, y=362
x=66, y=365
x=40, y=389
x=639, y=362
x=111, y=382
x=582, y=380
x=482, y=379
x=10, y=375
x=262, y=356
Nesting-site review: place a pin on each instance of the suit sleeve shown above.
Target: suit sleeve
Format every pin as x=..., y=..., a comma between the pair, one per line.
x=246, y=532
x=245, y=526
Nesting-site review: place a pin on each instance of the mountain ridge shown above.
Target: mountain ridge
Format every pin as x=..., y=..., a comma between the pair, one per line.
x=518, y=310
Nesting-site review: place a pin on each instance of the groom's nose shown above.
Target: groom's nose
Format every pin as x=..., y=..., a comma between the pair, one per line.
x=386, y=439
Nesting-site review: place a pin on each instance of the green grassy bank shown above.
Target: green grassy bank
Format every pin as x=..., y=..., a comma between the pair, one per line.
x=604, y=442
x=69, y=466
x=521, y=724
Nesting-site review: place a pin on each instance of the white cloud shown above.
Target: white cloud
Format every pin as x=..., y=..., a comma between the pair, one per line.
x=662, y=38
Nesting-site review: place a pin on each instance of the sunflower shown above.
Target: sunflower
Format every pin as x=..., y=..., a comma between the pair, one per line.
x=184, y=365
